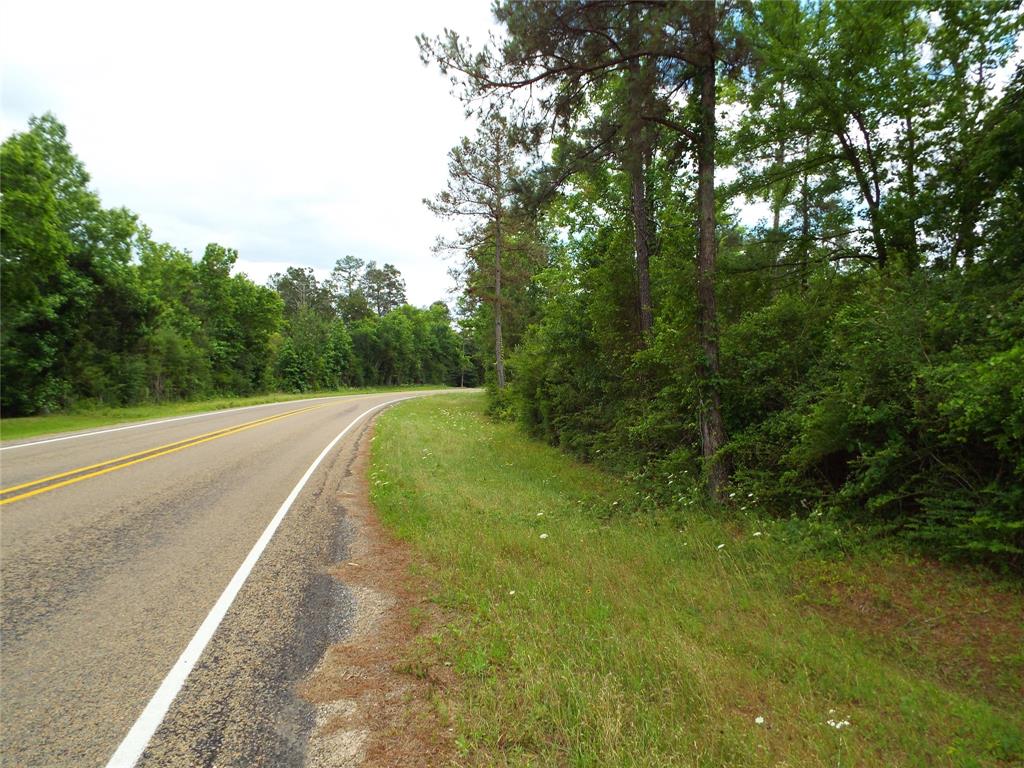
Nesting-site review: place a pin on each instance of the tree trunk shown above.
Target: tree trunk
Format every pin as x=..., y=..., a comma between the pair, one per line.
x=641, y=240
x=805, y=223
x=805, y=232
x=777, y=202
x=636, y=162
x=499, y=357
x=712, y=428
x=913, y=258
x=872, y=201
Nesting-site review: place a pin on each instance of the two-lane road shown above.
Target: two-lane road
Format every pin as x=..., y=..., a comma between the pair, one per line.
x=115, y=547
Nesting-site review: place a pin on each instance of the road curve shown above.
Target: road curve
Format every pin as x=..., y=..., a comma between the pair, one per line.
x=114, y=548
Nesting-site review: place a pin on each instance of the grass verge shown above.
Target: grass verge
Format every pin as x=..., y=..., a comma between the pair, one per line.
x=30, y=426
x=580, y=636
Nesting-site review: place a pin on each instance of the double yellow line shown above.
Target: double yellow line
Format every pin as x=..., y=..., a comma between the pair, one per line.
x=53, y=482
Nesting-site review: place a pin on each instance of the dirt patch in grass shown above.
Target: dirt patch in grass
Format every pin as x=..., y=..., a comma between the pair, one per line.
x=377, y=695
x=960, y=629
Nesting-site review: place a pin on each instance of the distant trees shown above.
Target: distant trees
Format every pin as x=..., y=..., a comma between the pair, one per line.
x=355, y=328
x=858, y=352
x=93, y=310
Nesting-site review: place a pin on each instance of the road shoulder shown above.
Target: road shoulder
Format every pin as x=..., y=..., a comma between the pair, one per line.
x=374, y=705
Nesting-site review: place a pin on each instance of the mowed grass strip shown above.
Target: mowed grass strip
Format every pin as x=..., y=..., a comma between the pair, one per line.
x=580, y=638
x=22, y=427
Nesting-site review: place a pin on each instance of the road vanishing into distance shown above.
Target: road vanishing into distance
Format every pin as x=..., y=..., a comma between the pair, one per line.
x=121, y=549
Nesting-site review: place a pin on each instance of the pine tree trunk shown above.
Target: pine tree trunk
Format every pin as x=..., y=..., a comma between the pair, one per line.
x=913, y=258
x=499, y=357
x=805, y=228
x=780, y=158
x=712, y=428
x=642, y=240
x=636, y=166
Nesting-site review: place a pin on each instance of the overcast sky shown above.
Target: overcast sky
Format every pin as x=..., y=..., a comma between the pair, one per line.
x=295, y=132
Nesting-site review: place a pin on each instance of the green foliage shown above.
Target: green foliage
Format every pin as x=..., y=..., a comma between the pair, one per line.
x=870, y=341
x=95, y=312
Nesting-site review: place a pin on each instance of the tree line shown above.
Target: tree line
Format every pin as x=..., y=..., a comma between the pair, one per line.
x=859, y=353
x=95, y=311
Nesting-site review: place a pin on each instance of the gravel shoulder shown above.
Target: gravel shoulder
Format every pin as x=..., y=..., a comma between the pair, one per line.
x=375, y=705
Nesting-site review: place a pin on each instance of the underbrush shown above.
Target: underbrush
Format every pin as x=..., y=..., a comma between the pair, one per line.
x=889, y=401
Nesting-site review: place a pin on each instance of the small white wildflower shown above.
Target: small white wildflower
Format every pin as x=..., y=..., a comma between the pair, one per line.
x=511, y=591
x=732, y=495
x=720, y=546
x=750, y=495
x=837, y=724
x=758, y=533
x=759, y=720
x=540, y=514
x=543, y=535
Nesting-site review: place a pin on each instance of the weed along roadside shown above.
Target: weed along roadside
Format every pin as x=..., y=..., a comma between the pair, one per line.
x=580, y=634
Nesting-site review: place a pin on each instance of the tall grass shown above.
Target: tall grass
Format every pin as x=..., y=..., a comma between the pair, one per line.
x=584, y=637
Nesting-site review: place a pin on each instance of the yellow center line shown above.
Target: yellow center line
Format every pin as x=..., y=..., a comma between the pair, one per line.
x=152, y=453
x=149, y=450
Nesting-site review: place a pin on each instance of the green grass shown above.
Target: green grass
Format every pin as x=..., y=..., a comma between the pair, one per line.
x=632, y=641
x=31, y=426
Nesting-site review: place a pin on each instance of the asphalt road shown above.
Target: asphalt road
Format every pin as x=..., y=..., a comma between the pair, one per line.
x=115, y=547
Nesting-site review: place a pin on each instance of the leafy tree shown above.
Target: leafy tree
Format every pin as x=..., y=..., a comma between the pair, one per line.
x=73, y=314
x=300, y=290
x=349, y=298
x=35, y=276
x=972, y=42
x=482, y=174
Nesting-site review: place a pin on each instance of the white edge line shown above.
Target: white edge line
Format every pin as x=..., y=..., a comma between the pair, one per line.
x=178, y=418
x=135, y=742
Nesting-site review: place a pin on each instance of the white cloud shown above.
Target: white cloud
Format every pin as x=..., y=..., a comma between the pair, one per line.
x=294, y=132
